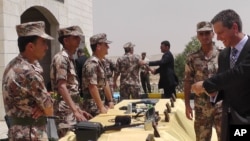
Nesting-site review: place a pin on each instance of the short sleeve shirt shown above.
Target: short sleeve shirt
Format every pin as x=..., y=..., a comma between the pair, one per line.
x=199, y=68
x=63, y=68
x=23, y=88
x=128, y=66
x=93, y=73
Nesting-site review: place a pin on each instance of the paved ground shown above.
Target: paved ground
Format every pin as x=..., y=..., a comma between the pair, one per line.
x=3, y=130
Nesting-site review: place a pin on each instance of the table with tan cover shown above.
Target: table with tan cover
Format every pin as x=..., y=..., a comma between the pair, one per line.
x=178, y=129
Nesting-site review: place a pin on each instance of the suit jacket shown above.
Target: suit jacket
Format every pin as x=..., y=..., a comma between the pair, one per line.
x=79, y=64
x=233, y=87
x=166, y=70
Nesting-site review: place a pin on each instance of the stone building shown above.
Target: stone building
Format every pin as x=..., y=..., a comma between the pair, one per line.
x=55, y=13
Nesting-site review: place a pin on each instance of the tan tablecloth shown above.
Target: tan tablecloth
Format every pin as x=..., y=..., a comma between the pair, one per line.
x=178, y=129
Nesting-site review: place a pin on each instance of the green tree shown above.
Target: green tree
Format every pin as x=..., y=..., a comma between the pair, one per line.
x=192, y=46
x=86, y=52
x=85, y=49
x=180, y=60
x=179, y=64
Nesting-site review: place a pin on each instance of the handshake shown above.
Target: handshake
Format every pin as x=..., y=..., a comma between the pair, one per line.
x=147, y=68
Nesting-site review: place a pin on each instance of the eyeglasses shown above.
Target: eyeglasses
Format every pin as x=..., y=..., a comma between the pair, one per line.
x=206, y=33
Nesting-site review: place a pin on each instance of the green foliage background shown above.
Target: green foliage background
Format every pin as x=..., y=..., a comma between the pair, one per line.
x=86, y=52
x=180, y=60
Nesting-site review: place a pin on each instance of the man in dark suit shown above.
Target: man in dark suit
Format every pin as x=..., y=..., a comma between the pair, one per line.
x=79, y=64
x=168, y=80
x=232, y=80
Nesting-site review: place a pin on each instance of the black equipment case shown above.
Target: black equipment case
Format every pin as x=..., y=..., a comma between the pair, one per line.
x=88, y=131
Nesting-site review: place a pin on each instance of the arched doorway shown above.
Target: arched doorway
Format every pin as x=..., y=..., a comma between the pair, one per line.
x=39, y=13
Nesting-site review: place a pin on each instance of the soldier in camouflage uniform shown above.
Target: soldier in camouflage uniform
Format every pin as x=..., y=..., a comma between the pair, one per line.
x=94, y=81
x=109, y=66
x=201, y=65
x=25, y=96
x=144, y=75
x=128, y=66
x=64, y=81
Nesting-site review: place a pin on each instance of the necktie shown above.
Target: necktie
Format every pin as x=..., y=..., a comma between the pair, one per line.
x=233, y=57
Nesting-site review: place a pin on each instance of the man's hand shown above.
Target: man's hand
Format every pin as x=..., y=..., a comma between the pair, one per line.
x=197, y=88
x=152, y=71
x=37, y=112
x=85, y=114
x=79, y=116
x=189, y=112
x=111, y=105
x=142, y=62
x=103, y=110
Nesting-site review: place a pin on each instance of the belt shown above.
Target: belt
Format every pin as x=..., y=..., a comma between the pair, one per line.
x=27, y=121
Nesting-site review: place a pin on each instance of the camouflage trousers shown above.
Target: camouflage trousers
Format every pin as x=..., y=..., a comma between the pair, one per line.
x=27, y=133
x=129, y=91
x=66, y=117
x=207, y=116
x=90, y=106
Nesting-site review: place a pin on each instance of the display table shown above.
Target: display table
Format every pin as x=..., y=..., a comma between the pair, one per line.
x=179, y=128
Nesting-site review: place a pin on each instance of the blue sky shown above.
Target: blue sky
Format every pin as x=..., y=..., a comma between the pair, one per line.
x=148, y=22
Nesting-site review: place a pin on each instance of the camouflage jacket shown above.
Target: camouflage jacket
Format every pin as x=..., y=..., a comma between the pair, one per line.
x=63, y=67
x=23, y=89
x=109, y=66
x=128, y=66
x=199, y=68
x=93, y=73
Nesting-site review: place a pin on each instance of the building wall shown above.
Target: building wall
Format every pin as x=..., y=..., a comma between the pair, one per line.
x=60, y=13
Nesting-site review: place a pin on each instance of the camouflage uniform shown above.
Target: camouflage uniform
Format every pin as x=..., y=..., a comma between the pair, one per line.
x=128, y=66
x=145, y=77
x=199, y=68
x=63, y=67
x=23, y=89
x=109, y=66
x=93, y=73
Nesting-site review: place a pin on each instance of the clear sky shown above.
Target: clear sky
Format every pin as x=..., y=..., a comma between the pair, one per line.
x=148, y=22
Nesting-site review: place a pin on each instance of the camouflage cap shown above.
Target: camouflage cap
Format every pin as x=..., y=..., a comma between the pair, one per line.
x=128, y=45
x=70, y=31
x=204, y=26
x=32, y=28
x=99, y=38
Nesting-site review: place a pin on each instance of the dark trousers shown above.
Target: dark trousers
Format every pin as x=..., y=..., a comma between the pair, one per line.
x=145, y=83
x=168, y=91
